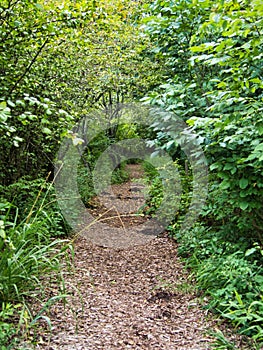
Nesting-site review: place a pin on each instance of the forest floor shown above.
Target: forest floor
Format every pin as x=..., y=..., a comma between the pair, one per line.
x=136, y=297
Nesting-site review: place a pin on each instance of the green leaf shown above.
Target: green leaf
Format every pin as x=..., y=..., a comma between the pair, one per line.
x=229, y=166
x=250, y=251
x=243, y=205
x=20, y=103
x=48, y=112
x=11, y=104
x=259, y=147
x=225, y=185
x=47, y=131
x=2, y=105
x=215, y=166
x=40, y=7
x=238, y=297
x=243, y=183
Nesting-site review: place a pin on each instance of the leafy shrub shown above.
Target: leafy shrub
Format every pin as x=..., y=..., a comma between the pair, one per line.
x=214, y=83
x=179, y=197
x=229, y=271
x=31, y=198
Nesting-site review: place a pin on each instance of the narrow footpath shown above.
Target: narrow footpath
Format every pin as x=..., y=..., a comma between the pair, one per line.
x=138, y=298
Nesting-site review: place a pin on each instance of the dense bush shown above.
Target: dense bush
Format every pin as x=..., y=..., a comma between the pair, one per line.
x=30, y=198
x=157, y=179
x=230, y=271
x=52, y=74
x=226, y=110
x=213, y=54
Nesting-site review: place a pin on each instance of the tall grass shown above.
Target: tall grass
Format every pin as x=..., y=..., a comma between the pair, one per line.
x=28, y=255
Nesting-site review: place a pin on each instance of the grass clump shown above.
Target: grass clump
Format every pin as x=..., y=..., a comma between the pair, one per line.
x=29, y=250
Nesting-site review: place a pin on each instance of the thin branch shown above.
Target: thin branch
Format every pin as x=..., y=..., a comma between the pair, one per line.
x=29, y=67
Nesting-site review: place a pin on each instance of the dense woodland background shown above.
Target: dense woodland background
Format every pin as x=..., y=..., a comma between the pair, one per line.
x=200, y=60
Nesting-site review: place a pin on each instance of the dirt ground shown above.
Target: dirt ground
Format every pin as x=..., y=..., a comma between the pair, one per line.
x=137, y=296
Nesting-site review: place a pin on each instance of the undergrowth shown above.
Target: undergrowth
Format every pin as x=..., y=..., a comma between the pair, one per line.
x=228, y=268
x=115, y=167
x=31, y=246
x=226, y=259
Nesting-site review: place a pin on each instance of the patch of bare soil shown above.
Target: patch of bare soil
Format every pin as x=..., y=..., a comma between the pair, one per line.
x=133, y=298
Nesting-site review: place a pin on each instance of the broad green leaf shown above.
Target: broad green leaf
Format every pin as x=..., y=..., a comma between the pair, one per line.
x=2, y=233
x=243, y=205
x=259, y=147
x=11, y=104
x=47, y=131
x=243, y=183
x=250, y=251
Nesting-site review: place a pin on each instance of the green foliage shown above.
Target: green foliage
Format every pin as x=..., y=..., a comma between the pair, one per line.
x=27, y=253
x=30, y=136
x=228, y=122
x=35, y=198
x=221, y=343
x=93, y=151
x=85, y=180
x=156, y=179
x=74, y=57
x=32, y=122
x=58, y=61
x=155, y=194
x=230, y=272
x=213, y=54
x=7, y=328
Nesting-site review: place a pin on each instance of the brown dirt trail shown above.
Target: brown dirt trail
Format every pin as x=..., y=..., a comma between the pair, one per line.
x=136, y=298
